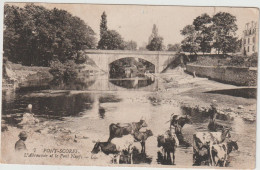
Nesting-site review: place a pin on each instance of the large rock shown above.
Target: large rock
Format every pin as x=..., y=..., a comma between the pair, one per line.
x=29, y=119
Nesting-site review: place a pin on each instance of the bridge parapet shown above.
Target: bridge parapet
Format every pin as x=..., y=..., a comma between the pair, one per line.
x=104, y=57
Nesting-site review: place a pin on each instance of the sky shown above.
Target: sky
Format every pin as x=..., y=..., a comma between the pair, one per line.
x=135, y=22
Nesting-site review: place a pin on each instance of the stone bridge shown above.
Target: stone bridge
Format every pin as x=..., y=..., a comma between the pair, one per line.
x=103, y=58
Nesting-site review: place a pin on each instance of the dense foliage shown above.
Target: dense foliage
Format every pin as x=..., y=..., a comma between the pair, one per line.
x=218, y=32
x=174, y=47
x=130, y=45
x=111, y=39
x=34, y=35
x=155, y=42
x=63, y=72
x=249, y=61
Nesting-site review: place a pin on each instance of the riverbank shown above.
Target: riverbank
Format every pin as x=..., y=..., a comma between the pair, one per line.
x=200, y=92
x=16, y=74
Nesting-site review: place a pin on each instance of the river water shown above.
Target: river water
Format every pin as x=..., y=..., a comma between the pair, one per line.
x=89, y=111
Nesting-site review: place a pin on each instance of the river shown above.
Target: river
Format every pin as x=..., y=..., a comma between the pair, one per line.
x=88, y=109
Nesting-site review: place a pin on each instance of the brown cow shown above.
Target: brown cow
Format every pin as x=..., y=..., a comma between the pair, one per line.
x=119, y=130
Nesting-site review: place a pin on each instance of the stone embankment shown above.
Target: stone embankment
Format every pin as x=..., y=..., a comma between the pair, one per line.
x=241, y=76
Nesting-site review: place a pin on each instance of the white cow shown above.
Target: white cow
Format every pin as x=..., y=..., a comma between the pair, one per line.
x=125, y=143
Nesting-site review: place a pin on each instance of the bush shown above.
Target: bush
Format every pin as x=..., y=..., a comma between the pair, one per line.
x=237, y=61
x=253, y=59
x=63, y=72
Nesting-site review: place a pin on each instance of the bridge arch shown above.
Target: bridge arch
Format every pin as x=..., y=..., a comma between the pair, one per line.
x=151, y=59
x=103, y=58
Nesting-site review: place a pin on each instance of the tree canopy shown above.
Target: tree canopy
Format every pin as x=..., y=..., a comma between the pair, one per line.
x=225, y=29
x=111, y=40
x=189, y=44
x=130, y=45
x=155, y=42
x=34, y=35
x=207, y=32
x=174, y=47
x=103, y=24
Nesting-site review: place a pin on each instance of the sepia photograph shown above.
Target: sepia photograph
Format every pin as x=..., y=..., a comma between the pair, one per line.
x=129, y=85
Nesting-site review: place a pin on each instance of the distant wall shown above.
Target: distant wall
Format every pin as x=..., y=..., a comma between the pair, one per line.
x=242, y=76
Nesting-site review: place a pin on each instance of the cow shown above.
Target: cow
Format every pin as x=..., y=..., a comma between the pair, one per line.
x=179, y=120
x=214, y=137
x=119, y=130
x=169, y=144
x=201, y=155
x=231, y=145
x=221, y=151
x=107, y=148
x=200, y=151
x=118, y=147
x=125, y=147
x=142, y=137
x=219, y=154
x=208, y=139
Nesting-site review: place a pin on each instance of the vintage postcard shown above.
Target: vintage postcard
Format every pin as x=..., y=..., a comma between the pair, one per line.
x=129, y=85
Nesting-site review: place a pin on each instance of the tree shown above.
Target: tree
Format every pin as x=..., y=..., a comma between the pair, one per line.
x=175, y=47
x=111, y=40
x=130, y=45
x=103, y=24
x=203, y=26
x=224, y=28
x=154, y=33
x=35, y=35
x=190, y=44
x=155, y=42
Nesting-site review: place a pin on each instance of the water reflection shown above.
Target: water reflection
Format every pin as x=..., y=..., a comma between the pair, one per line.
x=77, y=84
x=131, y=84
x=163, y=160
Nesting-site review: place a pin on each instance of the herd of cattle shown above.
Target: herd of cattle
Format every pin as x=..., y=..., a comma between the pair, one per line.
x=209, y=148
x=213, y=148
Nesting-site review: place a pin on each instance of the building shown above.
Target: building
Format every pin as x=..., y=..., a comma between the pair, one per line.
x=250, y=39
x=86, y=70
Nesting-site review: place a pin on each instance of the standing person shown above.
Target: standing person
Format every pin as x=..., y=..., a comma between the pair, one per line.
x=20, y=145
x=212, y=116
x=213, y=111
